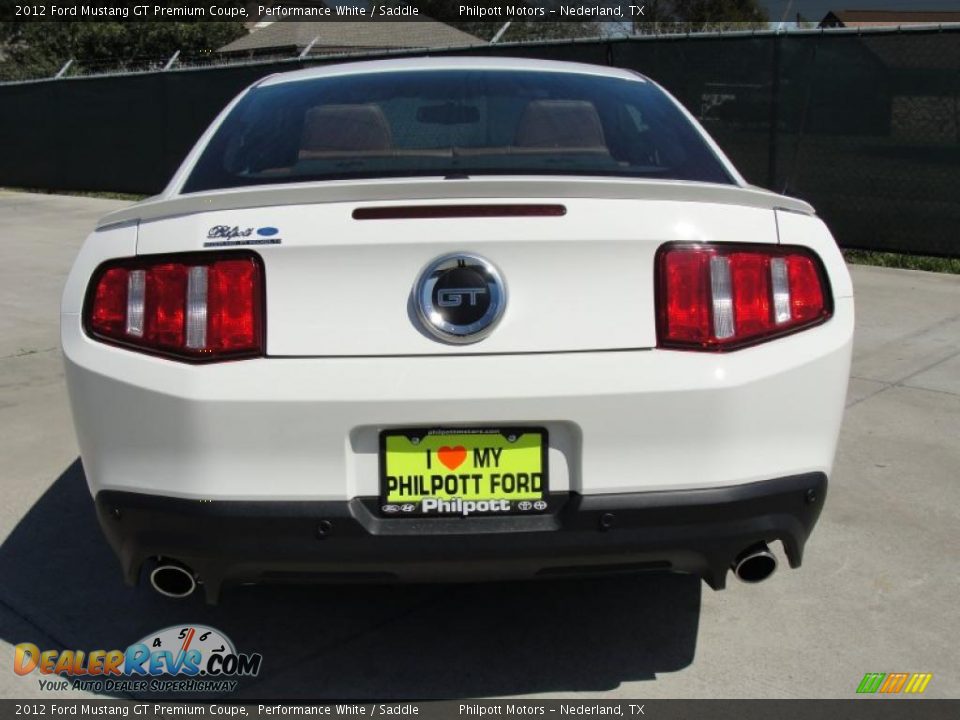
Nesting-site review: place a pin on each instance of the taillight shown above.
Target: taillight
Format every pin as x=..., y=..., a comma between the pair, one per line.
x=723, y=297
x=200, y=307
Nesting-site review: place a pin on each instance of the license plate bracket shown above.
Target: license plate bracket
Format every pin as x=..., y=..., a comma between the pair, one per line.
x=464, y=472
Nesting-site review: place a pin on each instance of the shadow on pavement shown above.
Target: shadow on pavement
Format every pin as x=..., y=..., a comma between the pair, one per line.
x=62, y=589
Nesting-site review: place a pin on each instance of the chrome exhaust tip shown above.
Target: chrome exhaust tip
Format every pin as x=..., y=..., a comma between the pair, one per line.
x=173, y=579
x=755, y=564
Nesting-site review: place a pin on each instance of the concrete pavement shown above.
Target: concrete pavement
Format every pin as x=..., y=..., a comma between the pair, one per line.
x=878, y=590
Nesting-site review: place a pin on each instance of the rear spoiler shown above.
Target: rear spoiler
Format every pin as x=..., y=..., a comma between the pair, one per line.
x=438, y=189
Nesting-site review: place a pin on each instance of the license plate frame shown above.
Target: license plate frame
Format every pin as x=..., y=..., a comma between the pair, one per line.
x=529, y=502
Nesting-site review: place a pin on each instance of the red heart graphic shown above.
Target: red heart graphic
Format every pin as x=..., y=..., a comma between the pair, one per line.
x=452, y=457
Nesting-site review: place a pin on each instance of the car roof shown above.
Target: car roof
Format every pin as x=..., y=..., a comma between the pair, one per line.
x=449, y=63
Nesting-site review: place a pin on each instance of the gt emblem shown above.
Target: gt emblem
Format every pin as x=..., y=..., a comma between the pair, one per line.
x=453, y=297
x=460, y=298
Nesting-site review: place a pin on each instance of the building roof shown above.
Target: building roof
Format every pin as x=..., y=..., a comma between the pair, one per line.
x=345, y=36
x=888, y=18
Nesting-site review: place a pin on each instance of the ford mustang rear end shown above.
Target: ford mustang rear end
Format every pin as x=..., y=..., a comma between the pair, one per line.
x=456, y=319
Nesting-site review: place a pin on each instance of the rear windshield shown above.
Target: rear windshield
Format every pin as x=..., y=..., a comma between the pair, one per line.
x=453, y=123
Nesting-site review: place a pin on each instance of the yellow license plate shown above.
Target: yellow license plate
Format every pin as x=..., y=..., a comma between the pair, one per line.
x=463, y=473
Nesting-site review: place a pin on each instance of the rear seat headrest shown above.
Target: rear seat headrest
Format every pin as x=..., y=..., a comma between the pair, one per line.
x=338, y=128
x=561, y=124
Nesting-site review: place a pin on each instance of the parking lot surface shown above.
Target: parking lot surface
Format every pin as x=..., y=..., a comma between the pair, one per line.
x=877, y=592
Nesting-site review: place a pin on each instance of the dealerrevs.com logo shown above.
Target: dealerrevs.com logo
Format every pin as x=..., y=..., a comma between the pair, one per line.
x=181, y=658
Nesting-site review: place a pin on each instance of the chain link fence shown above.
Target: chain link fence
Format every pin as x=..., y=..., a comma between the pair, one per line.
x=865, y=125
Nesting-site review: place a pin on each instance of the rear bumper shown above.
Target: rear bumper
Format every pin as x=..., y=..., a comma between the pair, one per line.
x=307, y=429
x=693, y=531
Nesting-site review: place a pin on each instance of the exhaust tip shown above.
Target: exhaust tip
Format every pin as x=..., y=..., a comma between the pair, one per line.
x=755, y=564
x=173, y=580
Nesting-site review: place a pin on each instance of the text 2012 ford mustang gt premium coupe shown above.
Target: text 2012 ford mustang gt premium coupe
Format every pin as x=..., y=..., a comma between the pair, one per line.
x=456, y=319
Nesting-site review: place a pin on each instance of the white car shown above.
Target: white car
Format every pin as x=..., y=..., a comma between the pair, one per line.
x=456, y=319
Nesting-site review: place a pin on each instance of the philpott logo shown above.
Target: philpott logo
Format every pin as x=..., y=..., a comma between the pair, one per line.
x=235, y=235
x=191, y=658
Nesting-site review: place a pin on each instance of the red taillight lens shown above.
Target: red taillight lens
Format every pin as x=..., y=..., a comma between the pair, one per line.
x=109, y=306
x=722, y=297
x=166, y=292
x=200, y=307
x=232, y=316
x=688, y=303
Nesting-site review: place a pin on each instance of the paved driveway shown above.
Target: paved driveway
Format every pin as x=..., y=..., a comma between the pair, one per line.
x=878, y=590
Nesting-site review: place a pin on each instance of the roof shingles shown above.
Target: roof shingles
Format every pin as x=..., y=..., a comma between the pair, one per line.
x=888, y=18
x=349, y=35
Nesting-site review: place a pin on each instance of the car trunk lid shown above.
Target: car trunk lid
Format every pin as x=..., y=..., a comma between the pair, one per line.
x=577, y=280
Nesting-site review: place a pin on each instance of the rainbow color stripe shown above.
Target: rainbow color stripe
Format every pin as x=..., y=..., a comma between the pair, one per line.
x=892, y=683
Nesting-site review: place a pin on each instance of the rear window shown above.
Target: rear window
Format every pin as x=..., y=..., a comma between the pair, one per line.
x=453, y=123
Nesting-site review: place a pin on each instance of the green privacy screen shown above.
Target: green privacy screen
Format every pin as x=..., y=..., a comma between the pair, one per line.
x=864, y=126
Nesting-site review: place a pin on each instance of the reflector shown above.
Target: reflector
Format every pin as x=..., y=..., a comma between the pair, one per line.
x=136, y=291
x=197, y=308
x=721, y=297
x=781, y=290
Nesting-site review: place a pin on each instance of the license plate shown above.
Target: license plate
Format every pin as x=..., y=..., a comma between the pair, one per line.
x=463, y=473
